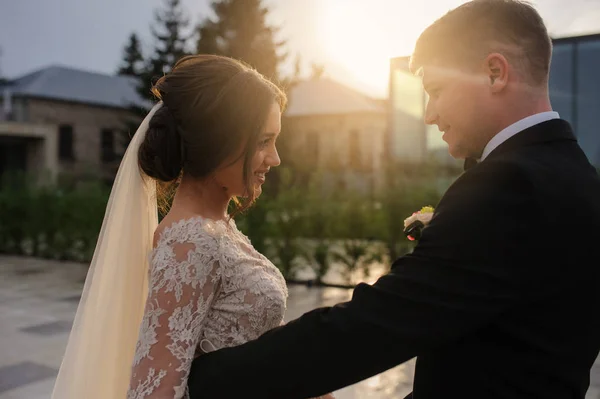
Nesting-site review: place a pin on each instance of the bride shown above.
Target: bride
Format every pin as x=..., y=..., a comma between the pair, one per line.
x=158, y=295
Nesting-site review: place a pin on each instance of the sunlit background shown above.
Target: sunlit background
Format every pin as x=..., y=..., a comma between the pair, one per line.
x=357, y=158
x=354, y=39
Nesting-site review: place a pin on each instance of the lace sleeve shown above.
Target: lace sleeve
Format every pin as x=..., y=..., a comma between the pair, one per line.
x=183, y=282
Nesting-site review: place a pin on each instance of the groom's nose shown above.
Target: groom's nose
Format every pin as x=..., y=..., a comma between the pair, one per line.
x=431, y=116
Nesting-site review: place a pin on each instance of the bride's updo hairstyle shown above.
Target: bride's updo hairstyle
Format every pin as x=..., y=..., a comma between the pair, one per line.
x=214, y=109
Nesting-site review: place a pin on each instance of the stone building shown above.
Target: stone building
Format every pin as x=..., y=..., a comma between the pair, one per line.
x=63, y=120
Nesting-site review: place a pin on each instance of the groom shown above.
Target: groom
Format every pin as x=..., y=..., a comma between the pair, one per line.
x=501, y=297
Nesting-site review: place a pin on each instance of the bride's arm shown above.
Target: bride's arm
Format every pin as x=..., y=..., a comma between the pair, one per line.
x=181, y=291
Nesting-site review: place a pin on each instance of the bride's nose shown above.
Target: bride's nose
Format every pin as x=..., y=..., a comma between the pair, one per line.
x=272, y=158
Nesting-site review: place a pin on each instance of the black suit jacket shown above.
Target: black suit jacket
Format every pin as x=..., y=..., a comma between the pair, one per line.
x=500, y=298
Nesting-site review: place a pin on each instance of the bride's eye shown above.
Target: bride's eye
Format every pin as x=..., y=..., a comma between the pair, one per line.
x=265, y=142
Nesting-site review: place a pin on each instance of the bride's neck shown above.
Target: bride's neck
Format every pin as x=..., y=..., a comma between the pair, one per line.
x=200, y=197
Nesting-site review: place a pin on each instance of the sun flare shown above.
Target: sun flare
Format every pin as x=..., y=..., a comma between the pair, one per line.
x=355, y=39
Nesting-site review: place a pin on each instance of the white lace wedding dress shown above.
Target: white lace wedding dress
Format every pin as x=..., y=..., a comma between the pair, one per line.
x=209, y=289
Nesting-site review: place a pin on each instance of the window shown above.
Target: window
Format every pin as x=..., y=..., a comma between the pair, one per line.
x=588, y=98
x=312, y=146
x=107, y=145
x=13, y=154
x=561, y=80
x=354, y=150
x=408, y=132
x=65, y=143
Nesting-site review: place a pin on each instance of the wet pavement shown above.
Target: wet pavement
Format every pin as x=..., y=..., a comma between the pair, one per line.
x=38, y=300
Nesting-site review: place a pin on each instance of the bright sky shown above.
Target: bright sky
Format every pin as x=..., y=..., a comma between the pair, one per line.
x=354, y=39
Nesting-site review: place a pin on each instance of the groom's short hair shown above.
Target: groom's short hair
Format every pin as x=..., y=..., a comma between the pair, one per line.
x=475, y=29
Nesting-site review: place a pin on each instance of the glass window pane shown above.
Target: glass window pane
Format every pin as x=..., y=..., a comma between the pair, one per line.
x=588, y=98
x=434, y=136
x=561, y=80
x=407, y=99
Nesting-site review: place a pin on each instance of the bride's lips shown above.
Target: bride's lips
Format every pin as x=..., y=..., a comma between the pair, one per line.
x=261, y=176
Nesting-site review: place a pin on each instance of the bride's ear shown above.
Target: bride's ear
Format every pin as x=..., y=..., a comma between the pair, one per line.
x=496, y=69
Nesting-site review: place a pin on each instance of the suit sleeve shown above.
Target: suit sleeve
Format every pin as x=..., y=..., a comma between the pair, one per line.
x=454, y=282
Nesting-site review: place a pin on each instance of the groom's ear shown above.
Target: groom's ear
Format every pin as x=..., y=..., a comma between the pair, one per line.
x=496, y=69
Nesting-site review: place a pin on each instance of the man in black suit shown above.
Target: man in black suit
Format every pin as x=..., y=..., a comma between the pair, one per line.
x=500, y=297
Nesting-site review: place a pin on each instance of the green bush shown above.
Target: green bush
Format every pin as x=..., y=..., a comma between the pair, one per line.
x=289, y=224
x=59, y=221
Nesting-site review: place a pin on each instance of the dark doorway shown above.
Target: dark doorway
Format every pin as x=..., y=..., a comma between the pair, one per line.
x=13, y=155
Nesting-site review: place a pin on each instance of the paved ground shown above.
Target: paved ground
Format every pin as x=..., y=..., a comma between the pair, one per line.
x=38, y=300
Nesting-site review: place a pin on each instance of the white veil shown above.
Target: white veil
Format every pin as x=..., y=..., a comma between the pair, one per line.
x=99, y=354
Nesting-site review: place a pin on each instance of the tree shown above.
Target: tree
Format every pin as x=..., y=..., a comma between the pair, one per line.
x=297, y=68
x=133, y=60
x=207, y=42
x=170, y=44
x=3, y=80
x=240, y=31
x=132, y=65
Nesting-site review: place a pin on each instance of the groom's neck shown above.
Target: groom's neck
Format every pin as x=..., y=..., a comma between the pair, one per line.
x=521, y=107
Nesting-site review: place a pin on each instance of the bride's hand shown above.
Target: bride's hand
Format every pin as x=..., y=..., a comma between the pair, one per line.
x=328, y=396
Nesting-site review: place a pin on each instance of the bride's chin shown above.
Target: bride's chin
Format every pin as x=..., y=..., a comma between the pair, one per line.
x=257, y=192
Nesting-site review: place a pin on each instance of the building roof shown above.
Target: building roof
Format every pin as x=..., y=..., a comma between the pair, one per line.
x=327, y=97
x=312, y=97
x=75, y=85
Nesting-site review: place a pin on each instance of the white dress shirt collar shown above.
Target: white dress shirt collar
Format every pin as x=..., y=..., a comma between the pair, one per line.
x=515, y=128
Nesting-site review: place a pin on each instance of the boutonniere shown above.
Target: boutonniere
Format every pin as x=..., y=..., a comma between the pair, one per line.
x=415, y=223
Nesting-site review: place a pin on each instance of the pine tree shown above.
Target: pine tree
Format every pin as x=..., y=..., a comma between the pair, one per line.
x=133, y=60
x=207, y=43
x=170, y=44
x=3, y=80
x=240, y=31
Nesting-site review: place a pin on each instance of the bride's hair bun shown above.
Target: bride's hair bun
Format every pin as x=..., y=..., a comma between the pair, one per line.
x=160, y=154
